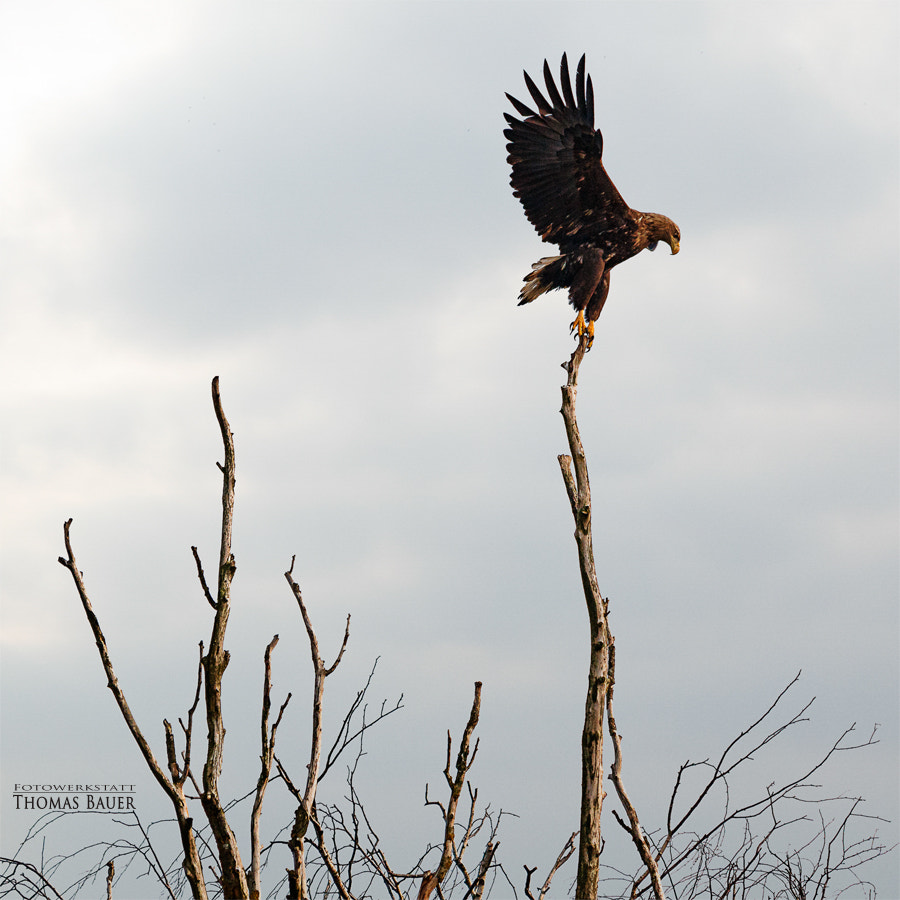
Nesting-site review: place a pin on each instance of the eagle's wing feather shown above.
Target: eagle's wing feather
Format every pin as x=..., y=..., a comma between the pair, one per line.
x=552, y=92
x=556, y=157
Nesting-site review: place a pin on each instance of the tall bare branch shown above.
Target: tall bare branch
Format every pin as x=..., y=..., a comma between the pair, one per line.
x=579, y=491
x=233, y=876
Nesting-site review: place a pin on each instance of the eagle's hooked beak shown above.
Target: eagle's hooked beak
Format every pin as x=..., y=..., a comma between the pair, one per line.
x=673, y=243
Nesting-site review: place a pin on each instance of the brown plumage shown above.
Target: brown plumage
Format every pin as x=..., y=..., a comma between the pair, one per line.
x=558, y=175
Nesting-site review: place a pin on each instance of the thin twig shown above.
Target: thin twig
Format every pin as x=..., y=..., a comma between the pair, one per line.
x=634, y=826
x=202, y=576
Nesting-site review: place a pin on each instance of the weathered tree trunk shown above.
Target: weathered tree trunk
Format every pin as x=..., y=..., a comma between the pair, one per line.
x=234, y=878
x=592, y=794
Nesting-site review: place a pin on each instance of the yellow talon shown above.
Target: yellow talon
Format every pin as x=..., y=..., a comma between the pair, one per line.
x=584, y=330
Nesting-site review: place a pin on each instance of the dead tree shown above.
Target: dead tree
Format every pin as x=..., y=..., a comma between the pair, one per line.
x=598, y=704
x=698, y=864
x=578, y=489
x=234, y=880
x=232, y=874
x=684, y=858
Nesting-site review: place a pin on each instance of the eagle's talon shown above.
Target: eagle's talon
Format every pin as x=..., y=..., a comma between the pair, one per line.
x=583, y=331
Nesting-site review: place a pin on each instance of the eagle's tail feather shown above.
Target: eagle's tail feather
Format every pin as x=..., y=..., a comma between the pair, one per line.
x=545, y=275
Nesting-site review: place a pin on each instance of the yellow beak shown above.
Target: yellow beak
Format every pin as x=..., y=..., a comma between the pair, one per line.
x=674, y=245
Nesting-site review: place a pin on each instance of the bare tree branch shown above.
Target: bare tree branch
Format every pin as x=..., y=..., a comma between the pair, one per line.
x=110, y=874
x=33, y=882
x=202, y=576
x=345, y=737
x=298, y=885
x=174, y=790
x=579, y=492
x=433, y=880
x=267, y=740
x=708, y=863
x=634, y=826
x=561, y=860
x=233, y=876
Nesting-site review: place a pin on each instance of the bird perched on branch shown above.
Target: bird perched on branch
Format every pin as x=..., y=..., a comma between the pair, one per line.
x=558, y=175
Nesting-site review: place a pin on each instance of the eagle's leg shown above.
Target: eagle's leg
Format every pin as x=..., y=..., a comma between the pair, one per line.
x=591, y=274
x=595, y=306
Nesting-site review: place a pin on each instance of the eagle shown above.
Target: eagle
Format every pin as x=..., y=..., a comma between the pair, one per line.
x=556, y=156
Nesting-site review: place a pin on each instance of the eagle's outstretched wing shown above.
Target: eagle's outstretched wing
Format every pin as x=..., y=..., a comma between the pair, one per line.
x=557, y=171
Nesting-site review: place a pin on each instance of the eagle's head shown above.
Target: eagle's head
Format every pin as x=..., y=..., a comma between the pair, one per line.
x=661, y=228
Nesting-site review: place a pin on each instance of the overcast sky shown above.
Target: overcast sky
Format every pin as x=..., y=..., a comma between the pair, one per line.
x=312, y=202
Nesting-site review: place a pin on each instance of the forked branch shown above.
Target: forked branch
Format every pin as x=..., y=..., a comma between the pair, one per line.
x=433, y=879
x=298, y=883
x=266, y=756
x=561, y=860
